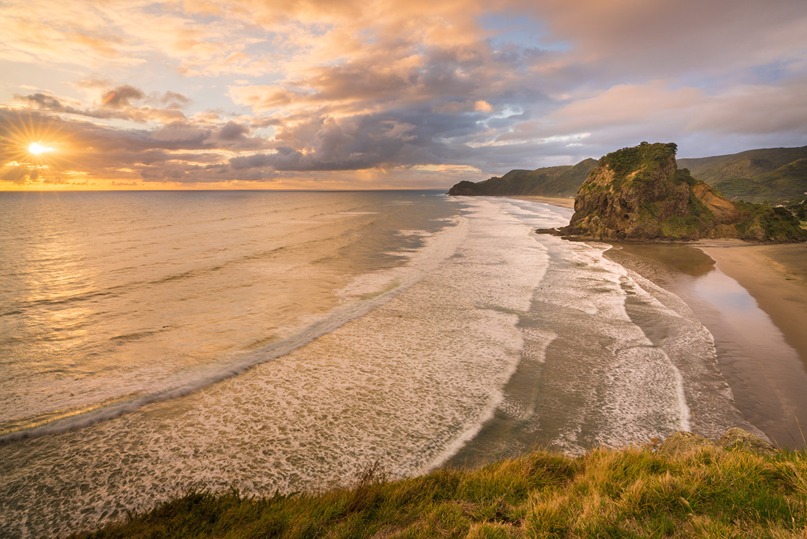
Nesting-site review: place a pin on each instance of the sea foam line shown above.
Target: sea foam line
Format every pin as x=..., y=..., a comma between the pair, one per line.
x=436, y=249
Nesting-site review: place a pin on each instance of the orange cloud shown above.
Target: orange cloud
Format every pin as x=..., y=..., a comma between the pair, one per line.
x=256, y=90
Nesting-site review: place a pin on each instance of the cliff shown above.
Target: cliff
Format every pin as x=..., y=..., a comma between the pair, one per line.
x=639, y=193
x=557, y=181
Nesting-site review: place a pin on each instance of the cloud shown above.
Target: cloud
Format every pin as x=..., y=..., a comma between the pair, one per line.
x=229, y=90
x=115, y=103
x=658, y=39
x=232, y=131
x=261, y=98
x=625, y=104
x=44, y=101
x=755, y=110
x=745, y=109
x=121, y=96
x=173, y=100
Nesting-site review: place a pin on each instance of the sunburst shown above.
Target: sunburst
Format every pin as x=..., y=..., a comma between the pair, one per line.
x=33, y=148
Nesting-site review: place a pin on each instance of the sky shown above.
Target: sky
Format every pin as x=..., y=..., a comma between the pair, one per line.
x=328, y=94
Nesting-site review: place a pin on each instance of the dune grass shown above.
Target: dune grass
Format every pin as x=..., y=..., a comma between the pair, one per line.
x=685, y=487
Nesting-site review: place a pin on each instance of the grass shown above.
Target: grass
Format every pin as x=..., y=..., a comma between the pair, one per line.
x=685, y=487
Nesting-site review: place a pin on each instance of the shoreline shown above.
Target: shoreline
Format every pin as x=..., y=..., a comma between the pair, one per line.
x=554, y=201
x=753, y=299
x=775, y=275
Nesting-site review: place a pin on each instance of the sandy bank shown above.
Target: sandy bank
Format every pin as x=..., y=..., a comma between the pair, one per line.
x=776, y=276
x=555, y=201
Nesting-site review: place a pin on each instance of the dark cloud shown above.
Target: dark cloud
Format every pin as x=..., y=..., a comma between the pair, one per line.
x=116, y=104
x=49, y=103
x=182, y=133
x=232, y=131
x=405, y=137
x=121, y=96
x=43, y=101
x=236, y=137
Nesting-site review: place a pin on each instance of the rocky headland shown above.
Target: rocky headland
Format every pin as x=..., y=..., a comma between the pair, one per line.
x=639, y=193
x=765, y=175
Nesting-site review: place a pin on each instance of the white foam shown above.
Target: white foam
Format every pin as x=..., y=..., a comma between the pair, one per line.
x=409, y=370
x=367, y=293
x=539, y=341
x=706, y=400
x=629, y=390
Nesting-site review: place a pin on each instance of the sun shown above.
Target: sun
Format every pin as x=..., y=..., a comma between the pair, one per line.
x=37, y=148
x=31, y=140
x=35, y=152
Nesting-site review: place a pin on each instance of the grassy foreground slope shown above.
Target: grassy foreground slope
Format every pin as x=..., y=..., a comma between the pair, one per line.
x=684, y=487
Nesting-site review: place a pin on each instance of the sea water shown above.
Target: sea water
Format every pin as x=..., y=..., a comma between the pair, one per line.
x=153, y=343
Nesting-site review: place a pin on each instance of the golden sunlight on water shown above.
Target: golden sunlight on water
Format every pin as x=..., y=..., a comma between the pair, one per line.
x=278, y=342
x=57, y=274
x=111, y=297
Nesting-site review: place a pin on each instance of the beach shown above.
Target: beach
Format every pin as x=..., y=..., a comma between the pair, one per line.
x=563, y=202
x=753, y=299
x=776, y=276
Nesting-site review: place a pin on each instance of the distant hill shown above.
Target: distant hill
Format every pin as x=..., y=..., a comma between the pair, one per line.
x=775, y=175
x=639, y=193
x=767, y=175
x=560, y=181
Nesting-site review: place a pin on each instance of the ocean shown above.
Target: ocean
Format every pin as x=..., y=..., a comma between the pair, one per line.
x=157, y=342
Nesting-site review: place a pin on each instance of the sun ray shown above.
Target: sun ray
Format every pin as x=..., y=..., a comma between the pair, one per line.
x=33, y=150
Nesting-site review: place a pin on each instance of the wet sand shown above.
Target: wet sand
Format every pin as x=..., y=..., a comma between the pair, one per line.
x=555, y=201
x=761, y=343
x=753, y=299
x=776, y=276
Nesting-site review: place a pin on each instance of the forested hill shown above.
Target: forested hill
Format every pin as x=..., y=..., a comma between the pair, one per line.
x=766, y=175
x=560, y=181
x=774, y=175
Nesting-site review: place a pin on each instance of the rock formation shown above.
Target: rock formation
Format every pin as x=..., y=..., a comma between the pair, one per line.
x=639, y=193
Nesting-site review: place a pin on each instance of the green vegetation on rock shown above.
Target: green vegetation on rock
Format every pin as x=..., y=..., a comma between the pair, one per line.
x=639, y=193
x=772, y=175
x=686, y=486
